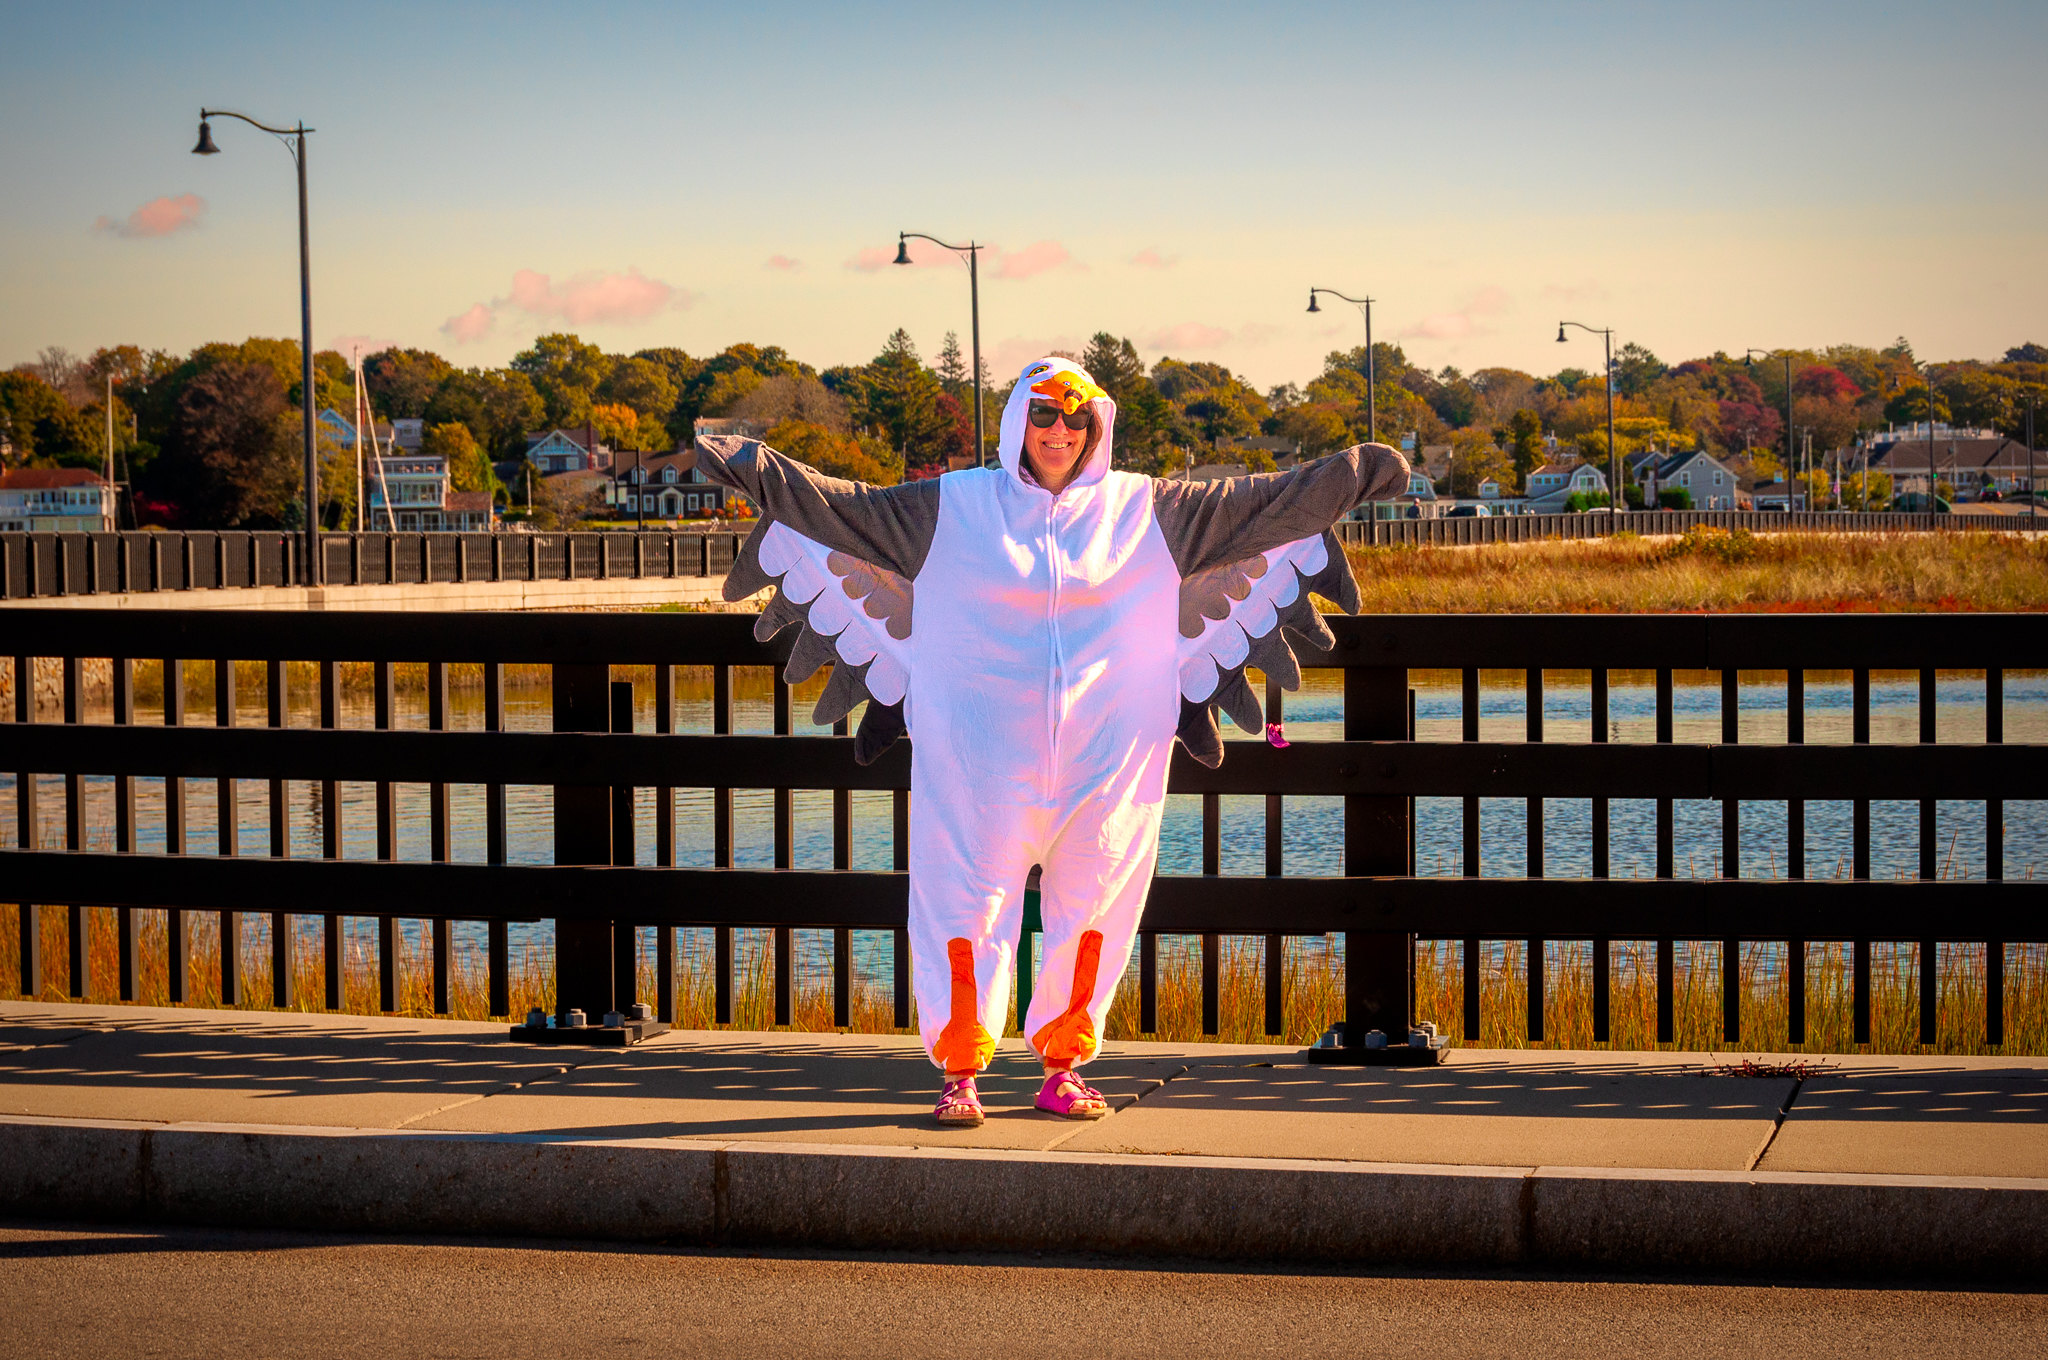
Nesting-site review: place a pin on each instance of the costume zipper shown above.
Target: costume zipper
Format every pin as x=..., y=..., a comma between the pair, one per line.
x=1057, y=689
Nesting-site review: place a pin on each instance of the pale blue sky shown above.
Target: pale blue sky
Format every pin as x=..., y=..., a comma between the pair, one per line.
x=1697, y=176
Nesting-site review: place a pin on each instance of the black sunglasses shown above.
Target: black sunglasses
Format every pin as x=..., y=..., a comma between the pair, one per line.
x=1044, y=416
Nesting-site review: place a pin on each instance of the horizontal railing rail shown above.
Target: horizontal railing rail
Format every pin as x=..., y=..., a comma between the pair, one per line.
x=1491, y=908
x=1417, y=769
x=596, y=762
x=42, y=565
x=45, y=565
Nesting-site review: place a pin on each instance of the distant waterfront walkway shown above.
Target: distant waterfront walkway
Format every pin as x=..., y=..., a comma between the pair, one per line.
x=1212, y=1150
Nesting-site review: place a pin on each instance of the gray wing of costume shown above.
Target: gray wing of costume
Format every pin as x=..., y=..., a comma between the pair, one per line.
x=841, y=557
x=1250, y=552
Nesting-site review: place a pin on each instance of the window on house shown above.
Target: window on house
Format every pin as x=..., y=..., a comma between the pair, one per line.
x=693, y=502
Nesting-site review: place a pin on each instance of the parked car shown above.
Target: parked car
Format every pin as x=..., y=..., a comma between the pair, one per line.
x=1469, y=512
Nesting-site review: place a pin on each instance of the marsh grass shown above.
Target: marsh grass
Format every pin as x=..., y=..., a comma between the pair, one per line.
x=1711, y=570
x=1312, y=978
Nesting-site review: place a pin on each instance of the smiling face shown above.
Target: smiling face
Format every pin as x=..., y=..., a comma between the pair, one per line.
x=1055, y=454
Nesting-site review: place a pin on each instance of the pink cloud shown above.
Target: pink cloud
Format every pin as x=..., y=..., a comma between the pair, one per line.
x=471, y=325
x=581, y=300
x=158, y=217
x=1152, y=259
x=630, y=296
x=1032, y=260
x=1186, y=336
x=784, y=262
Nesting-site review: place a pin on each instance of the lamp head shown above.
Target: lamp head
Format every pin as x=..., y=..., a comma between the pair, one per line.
x=206, y=146
x=1312, y=301
x=902, y=250
x=1560, y=332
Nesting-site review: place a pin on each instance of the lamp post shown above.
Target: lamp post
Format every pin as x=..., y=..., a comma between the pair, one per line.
x=1364, y=305
x=1615, y=498
x=294, y=139
x=972, y=253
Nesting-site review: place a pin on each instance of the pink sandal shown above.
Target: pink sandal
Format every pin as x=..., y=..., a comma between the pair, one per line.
x=960, y=1105
x=1067, y=1096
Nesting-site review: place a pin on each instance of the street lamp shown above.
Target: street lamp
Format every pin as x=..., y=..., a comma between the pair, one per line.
x=294, y=139
x=1615, y=500
x=971, y=252
x=1364, y=305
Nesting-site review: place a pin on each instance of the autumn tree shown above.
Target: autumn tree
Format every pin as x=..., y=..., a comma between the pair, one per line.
x=835, y=455
x=403, y=381
x=498, y=405
x=795, y=397
x=469, y=468
x=1476, y=458
x=237, y=464
x=641, y=384
x=565, y=372
x=1525, y=444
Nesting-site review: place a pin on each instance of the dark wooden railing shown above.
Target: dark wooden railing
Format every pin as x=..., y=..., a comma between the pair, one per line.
x=592, y=891
x=1600, y=524
x=41, y=565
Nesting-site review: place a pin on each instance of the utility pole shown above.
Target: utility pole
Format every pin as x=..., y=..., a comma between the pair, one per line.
x=110, y=493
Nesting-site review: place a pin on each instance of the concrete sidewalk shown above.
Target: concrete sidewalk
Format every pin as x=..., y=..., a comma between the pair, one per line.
x=1498, y=1157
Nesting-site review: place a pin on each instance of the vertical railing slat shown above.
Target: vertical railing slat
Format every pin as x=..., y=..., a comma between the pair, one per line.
x=127, y=923
x=78, y=927
x=332, y=962
x=721, y=848
x=439, y=833
x=178, y=963
x=228, y=829
x=381, y=681
x=499, y=963
x=1994, y=862
x=277, y=703
x=665, y=835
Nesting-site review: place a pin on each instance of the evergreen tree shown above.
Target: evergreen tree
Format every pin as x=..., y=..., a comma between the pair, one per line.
x=952, y=366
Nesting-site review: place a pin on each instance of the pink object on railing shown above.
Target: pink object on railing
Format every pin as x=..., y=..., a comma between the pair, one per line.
x=1274, y=737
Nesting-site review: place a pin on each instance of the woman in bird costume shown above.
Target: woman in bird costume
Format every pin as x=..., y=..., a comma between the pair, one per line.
x=1044, y=629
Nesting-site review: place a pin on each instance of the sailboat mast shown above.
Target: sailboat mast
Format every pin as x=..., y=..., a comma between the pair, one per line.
x=359, y=438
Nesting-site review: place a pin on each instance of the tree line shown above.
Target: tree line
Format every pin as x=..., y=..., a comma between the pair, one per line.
x=212, y=438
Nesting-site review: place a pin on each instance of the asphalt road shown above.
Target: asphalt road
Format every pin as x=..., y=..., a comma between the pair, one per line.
x=134, y=1292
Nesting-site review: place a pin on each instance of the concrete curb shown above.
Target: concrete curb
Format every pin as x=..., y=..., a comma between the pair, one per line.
x=933, y=1199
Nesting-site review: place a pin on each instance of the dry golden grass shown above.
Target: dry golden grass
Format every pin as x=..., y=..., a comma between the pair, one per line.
x=1312, y=978
x=1711, y=570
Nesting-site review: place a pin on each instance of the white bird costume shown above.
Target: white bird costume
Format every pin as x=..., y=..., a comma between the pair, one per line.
x=1043, y=651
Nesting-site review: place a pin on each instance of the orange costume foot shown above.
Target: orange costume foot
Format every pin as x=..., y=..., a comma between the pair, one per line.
x=964, y=1045
x=1069, y=1037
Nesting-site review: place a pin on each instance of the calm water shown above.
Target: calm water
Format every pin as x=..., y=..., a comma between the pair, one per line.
x=1313, y=825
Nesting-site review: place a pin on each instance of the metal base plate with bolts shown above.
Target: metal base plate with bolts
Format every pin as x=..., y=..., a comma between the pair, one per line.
x=618, y=1031
x=1425, y=1048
